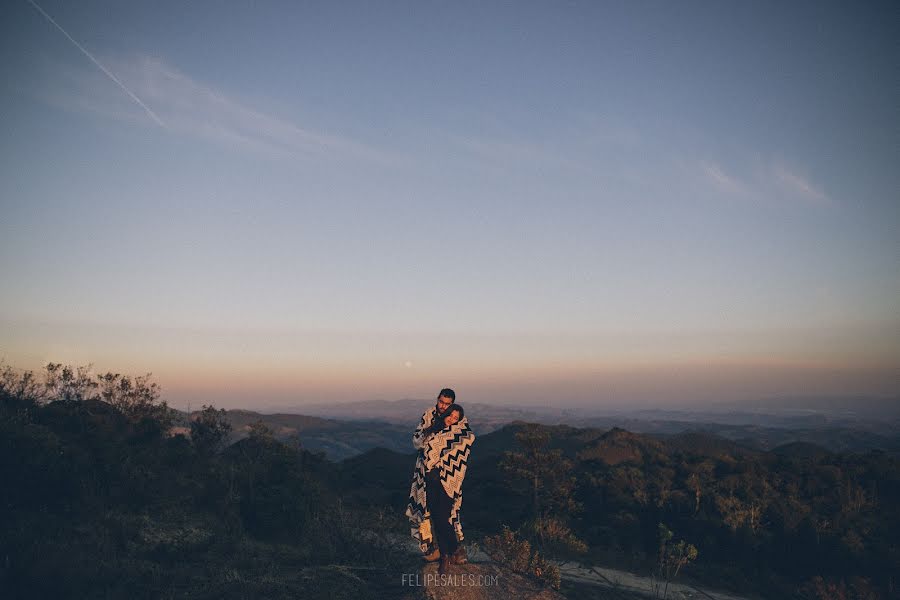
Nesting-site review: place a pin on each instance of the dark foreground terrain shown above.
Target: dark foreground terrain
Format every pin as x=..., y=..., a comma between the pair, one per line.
x=101, y=499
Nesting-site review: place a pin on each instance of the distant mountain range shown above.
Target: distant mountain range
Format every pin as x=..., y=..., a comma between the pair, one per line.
x=348, y=429
x=878, y=415
x=484, y=417
x=336, y=439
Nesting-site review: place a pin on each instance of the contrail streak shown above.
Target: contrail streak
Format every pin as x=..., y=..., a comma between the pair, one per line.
x=99, y=66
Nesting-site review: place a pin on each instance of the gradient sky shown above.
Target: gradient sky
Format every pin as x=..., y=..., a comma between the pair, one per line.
x=571, y=203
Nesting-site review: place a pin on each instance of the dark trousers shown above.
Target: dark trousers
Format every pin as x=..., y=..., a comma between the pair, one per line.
x=440, y=505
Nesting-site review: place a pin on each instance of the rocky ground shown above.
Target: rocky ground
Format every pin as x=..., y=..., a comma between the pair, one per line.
x=484, y=579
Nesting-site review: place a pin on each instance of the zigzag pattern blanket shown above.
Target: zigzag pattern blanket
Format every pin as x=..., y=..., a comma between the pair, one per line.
x=448, y=451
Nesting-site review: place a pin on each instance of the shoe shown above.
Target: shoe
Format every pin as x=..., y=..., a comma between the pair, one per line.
x=444, y=566
x=459, y=557
x=433, y=555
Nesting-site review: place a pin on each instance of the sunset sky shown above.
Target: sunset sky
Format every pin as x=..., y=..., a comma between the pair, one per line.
x=571, y=203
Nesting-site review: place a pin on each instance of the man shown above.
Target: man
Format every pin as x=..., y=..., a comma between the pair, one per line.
x=443, y=439
x=445, y=398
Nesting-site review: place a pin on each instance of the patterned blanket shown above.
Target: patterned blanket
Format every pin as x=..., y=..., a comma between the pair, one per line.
x=448, y=451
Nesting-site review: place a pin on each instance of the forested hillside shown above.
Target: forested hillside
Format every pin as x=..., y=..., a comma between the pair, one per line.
x=103, y=498
x=99, y=501
x=797, y=519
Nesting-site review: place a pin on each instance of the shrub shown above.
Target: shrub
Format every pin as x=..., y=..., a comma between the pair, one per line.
x=509, y=549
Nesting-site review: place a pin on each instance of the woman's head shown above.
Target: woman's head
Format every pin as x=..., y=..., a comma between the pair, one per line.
x=453, y=414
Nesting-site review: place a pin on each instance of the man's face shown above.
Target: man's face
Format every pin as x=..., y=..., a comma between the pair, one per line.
x=443, y=403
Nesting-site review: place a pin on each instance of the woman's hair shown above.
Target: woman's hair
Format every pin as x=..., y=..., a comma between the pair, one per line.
x=457, y=408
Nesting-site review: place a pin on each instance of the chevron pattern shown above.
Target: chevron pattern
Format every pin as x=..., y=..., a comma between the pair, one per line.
x=448, y=451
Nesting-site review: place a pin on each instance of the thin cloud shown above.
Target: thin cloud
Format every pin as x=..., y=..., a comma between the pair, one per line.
x=766, y=182
x=797, y=185
x=100, y=66
x=716, y=175
x=189, y=107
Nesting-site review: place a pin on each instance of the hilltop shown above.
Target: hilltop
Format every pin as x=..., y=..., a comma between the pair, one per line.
x=336, y=439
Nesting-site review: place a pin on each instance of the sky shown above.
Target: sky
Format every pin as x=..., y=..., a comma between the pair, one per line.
x=594, y=204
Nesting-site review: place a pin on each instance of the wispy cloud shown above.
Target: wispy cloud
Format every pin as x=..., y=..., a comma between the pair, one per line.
x=797, y=185
x=190, y=107
x=763, y=182
x=99, y=65
x=580, y=143
x=717, y=176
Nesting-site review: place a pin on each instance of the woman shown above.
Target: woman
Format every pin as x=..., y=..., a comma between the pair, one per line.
x=437, y=483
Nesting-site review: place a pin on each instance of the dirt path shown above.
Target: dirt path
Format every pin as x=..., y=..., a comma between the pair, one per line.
x=613, y=579
x=629, y=583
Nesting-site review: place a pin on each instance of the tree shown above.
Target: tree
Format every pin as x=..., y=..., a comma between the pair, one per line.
x=24, y=386
x=671, y=558
x=700, y=479
x=261, y=432
x=210, y=429
x=66, y=384
x=549, y=477
x=135, y=397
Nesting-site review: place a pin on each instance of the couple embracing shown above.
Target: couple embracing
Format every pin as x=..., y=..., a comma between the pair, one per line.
x=443, y=440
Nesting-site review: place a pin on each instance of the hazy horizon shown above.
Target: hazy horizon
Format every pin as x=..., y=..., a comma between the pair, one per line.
x=591, y=204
